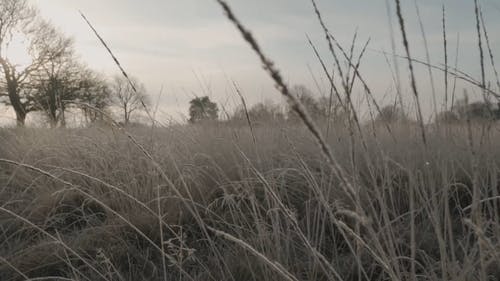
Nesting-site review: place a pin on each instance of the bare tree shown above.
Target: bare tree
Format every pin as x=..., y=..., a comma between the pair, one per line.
x=57, y=83
x=391, y=114
x=305, y=96
x=17, y=17
x=260, y=113
x=14, y=16
x=124, y=96
x=95, y=94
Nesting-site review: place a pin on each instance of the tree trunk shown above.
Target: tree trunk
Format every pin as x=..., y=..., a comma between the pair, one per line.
x=16, y=103
x=20, y=118
x=13, y=92
x=52, y=108
x=63, y=116
x=126, y=115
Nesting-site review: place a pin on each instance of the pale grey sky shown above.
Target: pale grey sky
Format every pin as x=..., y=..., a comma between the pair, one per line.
x=190, y=48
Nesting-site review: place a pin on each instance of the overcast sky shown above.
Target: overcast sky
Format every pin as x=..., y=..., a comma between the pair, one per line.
x=191, y=49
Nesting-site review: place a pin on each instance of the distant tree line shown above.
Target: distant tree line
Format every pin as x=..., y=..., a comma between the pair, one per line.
x=322, y=109
x=54, y=79
x=461, y=111
x=464, y=110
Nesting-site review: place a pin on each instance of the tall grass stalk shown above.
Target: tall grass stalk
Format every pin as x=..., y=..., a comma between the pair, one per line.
x=413, y=81
x=394, y=57
x=283, y=88
x=245, y=108
x=333, y=87
x=453, y=91
x=490, y=52
x=427, y=59
x=480, y=46
x=118, y=64
x=445, y=53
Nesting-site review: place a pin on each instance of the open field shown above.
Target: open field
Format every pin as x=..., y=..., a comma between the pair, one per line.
x=336, y=184
x=206, y=203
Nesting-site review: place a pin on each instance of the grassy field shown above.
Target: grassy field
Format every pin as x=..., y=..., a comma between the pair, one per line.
x=407, y=200
x=206, y=203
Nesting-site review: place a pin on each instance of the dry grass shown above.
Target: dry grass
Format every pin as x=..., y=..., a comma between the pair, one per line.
x=103, y=224
x=275, y=201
